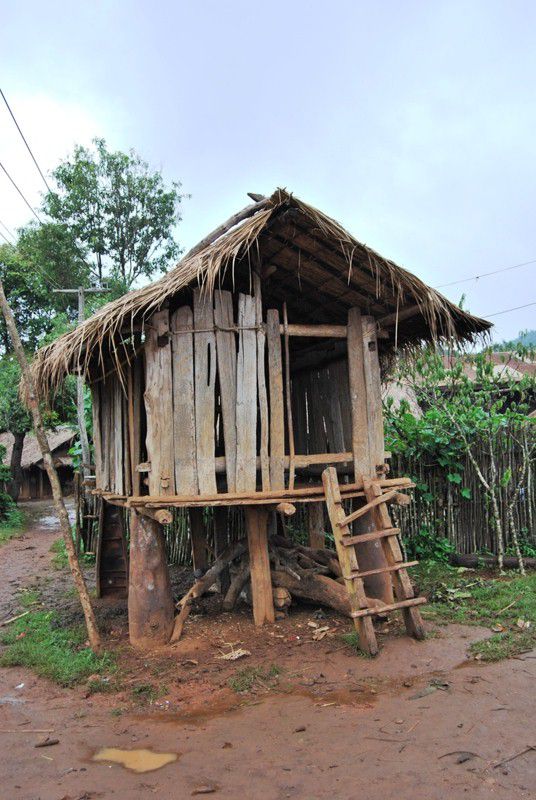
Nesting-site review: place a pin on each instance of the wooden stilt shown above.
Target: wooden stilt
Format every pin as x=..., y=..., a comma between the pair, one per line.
x=150, y=603
x=261, y=583
x=315, y=525
x=199, y=539
x=221, y=520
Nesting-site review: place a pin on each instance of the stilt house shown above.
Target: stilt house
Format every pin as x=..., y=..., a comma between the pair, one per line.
x=249, y=375
x=35, y=484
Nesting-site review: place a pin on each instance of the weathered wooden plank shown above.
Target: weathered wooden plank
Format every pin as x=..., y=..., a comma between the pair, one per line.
x=134, y=400
x=261, y=385
x=118, y=474
x=184, y=402
x=198, y=539
x=205, y=380
x=277, y=414
x=288, y=395
x=315, y=525
x=97, y=434
x=371, y=365
x=159, y=405
x=246, y=397
x=106, y=410
x=261, y=583
x=127, y=472
x=358, y=395
x=371, y=554
x=338, y=371
x=333, y=410
x=226, y=347
x=299, y=414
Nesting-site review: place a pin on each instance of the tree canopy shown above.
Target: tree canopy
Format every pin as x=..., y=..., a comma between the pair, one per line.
x=120, y=212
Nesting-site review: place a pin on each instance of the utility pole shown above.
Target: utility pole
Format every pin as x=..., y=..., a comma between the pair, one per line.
x=84, y=441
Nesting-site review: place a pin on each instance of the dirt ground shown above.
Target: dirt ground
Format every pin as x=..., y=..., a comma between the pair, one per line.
x=420, y=721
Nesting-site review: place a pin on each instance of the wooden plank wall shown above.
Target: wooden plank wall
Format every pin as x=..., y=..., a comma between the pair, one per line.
x=159, y=405
x=201, y=374
x=321, y=409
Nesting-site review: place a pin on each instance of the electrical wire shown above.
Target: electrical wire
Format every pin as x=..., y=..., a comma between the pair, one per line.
x=24, y=140
x=21, y=194
x=507, y=310
x=486, y=274
x=6, y=240
x=9, y=233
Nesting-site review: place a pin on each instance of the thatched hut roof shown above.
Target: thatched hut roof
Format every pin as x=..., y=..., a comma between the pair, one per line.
x=309, y=261
x=31, y=452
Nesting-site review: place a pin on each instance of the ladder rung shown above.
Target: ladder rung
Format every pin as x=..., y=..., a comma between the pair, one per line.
x=392, y=568
x=369, y=612
x=369, y=537
x=383, y=498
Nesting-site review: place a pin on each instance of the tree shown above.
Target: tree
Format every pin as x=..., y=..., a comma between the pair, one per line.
x=120, y=212
x=13, y=418
x=44, y=257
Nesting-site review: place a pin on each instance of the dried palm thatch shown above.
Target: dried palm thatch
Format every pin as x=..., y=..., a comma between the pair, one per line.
x=307, y=259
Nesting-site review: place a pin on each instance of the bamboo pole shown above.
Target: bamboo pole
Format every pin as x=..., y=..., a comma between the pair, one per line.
x=78, y=578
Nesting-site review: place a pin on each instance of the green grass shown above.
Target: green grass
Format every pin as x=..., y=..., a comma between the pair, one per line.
x=148, y=693
x=28, y=598
x=60, y=558
x=352, y=640
x=12, y=525
x=471, y=598
x=244, y=680
x=40, y=642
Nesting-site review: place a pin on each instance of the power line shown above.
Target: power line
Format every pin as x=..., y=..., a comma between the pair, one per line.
x=486, y=274
x=24, y=140
x=21, y=194
x=6, y=240
x=9, y=233
x=507, y=310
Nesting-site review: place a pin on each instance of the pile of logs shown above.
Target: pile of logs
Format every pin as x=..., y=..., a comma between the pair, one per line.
x=298, y=572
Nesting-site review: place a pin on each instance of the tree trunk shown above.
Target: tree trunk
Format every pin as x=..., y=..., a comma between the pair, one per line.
x=65, y=525
x=150, y=602
x=13, y=487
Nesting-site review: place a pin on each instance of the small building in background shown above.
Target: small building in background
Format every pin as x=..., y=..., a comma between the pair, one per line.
x=35, y=484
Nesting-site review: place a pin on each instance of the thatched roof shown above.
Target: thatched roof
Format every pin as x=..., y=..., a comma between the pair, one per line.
x=308, y=260
x=31, y=453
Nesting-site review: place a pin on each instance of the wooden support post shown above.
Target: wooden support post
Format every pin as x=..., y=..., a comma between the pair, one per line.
x=261, y=581
x=150, y=602
x=221, y=522
x=315, y=525
x=371, y=555
x=199, y=539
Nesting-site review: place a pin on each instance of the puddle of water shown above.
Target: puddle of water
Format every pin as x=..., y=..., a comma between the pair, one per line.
x=136, y=760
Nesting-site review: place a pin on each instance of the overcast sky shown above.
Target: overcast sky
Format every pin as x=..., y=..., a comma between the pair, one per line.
x=412, y=123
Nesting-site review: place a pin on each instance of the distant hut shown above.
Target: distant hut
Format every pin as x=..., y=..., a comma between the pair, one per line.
x=245, y=377
x=35, y=484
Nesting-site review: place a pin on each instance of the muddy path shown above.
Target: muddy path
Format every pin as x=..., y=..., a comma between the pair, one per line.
x=419, y=722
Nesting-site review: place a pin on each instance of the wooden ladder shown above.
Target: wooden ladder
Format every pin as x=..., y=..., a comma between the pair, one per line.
x=347, y=551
